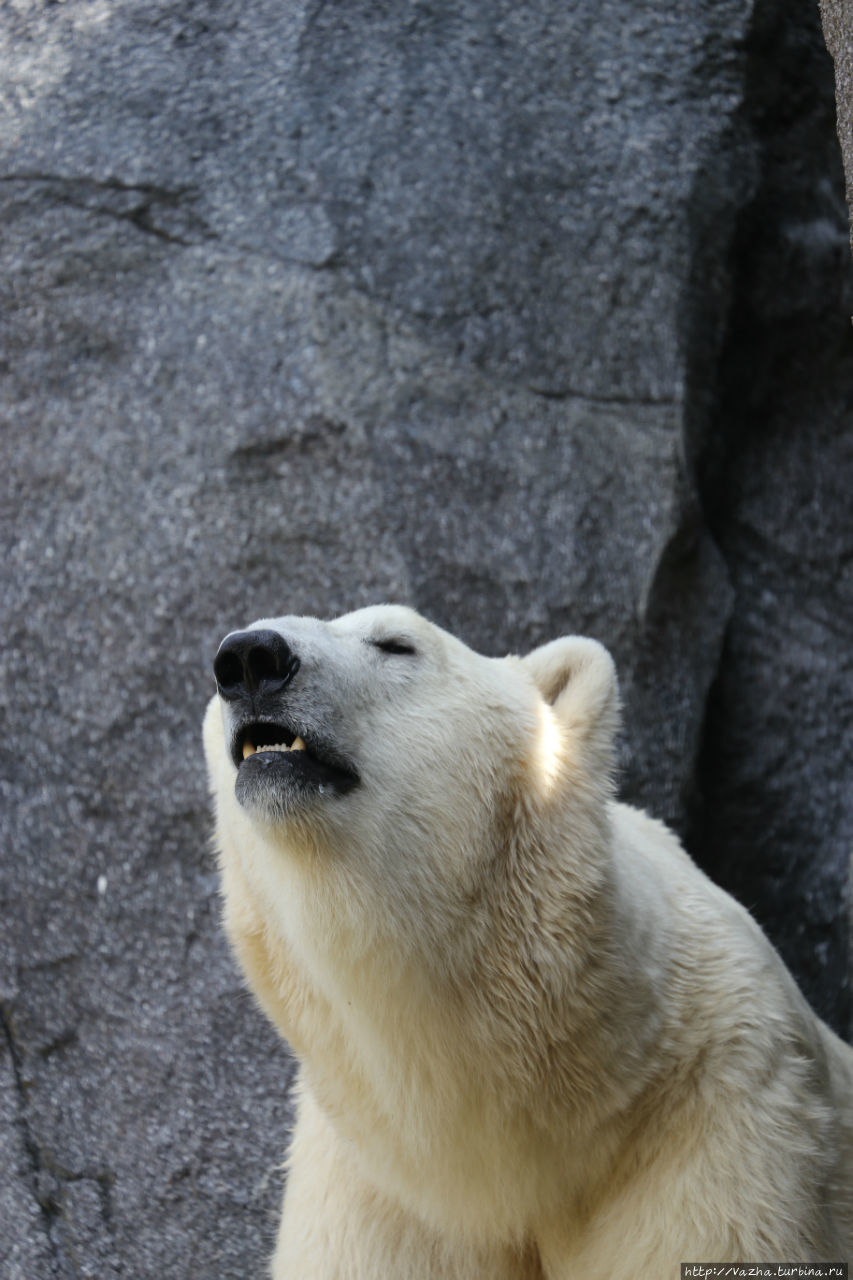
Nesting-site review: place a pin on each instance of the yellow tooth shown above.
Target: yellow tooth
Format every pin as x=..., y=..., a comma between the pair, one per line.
x=297, y=745
x=248, y=750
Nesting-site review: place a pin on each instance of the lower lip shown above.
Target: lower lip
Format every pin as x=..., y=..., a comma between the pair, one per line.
x=305, y=770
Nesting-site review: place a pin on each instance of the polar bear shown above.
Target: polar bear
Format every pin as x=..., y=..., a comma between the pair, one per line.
x=535, y=1040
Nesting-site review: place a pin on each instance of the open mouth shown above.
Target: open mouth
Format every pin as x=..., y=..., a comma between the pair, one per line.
x=267, y=745
x=267, y=737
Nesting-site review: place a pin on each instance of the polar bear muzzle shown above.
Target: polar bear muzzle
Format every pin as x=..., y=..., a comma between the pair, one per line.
x=272, y=752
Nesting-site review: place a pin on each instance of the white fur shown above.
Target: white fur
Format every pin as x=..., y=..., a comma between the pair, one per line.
x=535, y=1040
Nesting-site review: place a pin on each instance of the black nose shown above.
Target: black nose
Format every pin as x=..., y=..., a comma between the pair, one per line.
x=253, y=662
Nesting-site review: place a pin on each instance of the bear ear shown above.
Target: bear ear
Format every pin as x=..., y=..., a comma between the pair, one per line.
x=577, y=678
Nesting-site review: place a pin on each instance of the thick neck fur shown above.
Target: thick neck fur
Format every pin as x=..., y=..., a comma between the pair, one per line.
x=409, y=1039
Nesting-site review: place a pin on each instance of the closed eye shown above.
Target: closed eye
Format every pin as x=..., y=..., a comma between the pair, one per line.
x=395, y=645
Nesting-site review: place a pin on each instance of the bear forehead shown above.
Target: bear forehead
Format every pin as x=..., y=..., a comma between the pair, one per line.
x=365, y=621
x=374, y=623
x=360, y=623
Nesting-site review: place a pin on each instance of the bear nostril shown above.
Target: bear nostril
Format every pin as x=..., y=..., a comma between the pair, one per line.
x=228, y=670
x=262, y=663
x=253, y=661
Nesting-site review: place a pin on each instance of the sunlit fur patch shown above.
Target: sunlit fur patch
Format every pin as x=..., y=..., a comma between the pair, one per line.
x=549, y=748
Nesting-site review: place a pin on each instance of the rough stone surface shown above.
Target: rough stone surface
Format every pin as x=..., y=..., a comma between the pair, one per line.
x=533, y=316
x=837, y=16
x=774, y=819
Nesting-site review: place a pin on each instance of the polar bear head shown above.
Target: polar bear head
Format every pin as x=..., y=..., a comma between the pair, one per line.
x=391, y=760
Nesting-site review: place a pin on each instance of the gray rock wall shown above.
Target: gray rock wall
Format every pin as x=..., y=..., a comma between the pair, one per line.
x=536, y=317
x=837, y=18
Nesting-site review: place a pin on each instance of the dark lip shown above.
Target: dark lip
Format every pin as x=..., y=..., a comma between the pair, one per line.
x=318, y=764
